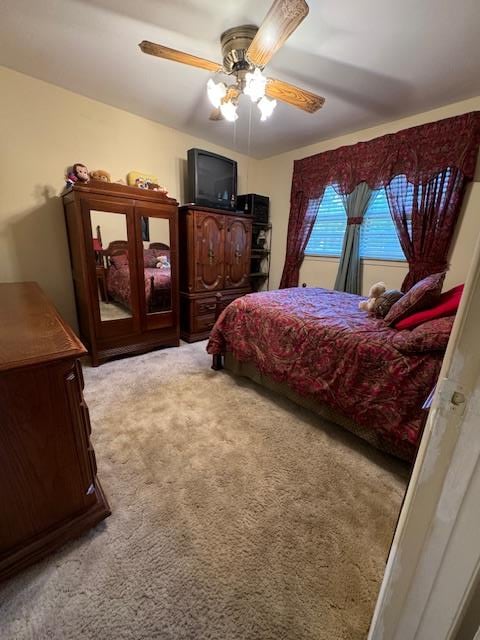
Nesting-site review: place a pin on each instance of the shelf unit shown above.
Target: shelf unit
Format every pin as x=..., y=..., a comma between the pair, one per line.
x=260, y=255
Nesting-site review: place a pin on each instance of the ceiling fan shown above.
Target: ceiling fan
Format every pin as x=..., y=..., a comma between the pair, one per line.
x=246, y=51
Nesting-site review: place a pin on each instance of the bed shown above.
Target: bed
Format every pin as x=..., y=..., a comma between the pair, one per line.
x=316, y=346
x=157, y=280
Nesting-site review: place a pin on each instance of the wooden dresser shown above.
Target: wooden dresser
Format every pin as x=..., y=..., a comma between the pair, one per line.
x=49, y=492
x=215, y=251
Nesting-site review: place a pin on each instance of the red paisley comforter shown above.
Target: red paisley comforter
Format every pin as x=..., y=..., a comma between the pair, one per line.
x=118, y=285
x=320, y=344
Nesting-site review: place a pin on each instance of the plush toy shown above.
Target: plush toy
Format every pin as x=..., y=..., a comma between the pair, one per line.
x=375, y=291
x=385, y=302
x=81, y=172
x=137, y=178
x=101, y=175
x=162, y=262
x=77, y=173
x=145, y=181
x=156, y=187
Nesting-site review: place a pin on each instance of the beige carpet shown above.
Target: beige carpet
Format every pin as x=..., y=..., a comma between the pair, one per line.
x=236, y=516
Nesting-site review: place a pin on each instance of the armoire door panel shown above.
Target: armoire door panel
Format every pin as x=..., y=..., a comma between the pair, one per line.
x=237, y=253
x=110, y=253
x=157, y=267
x=209, y=230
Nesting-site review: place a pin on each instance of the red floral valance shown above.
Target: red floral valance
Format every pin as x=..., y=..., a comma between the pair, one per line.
x=419, y=153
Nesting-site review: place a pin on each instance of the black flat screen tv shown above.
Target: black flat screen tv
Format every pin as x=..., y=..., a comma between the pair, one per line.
x=212, y=180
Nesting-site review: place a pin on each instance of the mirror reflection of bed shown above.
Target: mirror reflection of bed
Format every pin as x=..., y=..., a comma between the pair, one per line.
x=112, y=265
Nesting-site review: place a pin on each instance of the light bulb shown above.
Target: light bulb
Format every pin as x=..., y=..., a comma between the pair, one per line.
x=255, y=85
x=216, y=92
x=266, y=107
x=229, y=111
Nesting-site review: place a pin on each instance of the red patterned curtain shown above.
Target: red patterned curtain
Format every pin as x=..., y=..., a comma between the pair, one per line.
x=425, y=215
x=420, y=154
x=303, y=214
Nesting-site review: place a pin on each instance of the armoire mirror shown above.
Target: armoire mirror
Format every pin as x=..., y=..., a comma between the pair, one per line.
x=112, y=269
x=156, y=264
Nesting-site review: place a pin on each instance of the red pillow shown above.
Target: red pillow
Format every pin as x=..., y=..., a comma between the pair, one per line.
x=447, y=305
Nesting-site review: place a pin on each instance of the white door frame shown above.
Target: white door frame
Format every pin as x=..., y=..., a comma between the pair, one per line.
x=435, y=554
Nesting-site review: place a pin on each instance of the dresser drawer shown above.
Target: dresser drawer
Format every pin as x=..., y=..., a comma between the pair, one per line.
x=204, y=307
x=203, y=323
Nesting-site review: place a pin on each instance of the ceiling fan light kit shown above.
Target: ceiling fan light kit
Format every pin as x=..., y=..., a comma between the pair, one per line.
x=228, y=110
x=255, y=84
x=266, y=107
x=246, y=50
x=216, y=92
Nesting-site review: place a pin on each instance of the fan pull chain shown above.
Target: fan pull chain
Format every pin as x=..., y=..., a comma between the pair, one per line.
x=248, y=145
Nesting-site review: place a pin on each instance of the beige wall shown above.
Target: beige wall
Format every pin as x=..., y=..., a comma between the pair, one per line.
x=274, y=176
x=43, y=129
x=113, y=226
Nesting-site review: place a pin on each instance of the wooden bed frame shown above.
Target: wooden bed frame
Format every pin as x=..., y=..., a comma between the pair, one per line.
x=118, y=247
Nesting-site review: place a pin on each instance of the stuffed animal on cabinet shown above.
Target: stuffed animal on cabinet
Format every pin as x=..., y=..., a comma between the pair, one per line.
x=77, y=173
x=101, y=175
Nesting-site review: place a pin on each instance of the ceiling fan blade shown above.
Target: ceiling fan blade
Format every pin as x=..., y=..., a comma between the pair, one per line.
x=178, y=56
x=293, y=95
x=216, y=115
x=279, y=23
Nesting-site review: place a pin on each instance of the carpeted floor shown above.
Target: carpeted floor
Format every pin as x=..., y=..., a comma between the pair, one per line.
x=236, y=516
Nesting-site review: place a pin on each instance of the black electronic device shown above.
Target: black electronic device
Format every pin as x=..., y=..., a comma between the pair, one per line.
x=255, y=205
x=212, y=180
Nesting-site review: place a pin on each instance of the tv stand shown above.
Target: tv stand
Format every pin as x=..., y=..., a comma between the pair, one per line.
x=215, y=249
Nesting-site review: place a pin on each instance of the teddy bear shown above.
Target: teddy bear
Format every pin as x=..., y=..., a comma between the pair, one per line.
x=162, y=262
x=375, y=292
x=101, y=175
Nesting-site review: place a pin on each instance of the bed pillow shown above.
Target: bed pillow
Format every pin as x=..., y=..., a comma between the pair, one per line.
x=150, y=256
x=429, y=336
x=422, y=295
x=447, y=305
x=120, y=260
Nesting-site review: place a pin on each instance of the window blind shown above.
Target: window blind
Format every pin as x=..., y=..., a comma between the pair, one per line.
x=378, y=236
x=329, y=228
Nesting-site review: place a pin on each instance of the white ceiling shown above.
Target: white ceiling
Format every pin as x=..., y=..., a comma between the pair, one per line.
x=373, y=60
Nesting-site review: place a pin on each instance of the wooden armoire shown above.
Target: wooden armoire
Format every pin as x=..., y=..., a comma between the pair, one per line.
x=126, y=303
x=215, y=250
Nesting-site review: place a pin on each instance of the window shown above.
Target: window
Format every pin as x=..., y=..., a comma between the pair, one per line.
x=378, y=236
x=329, y=228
